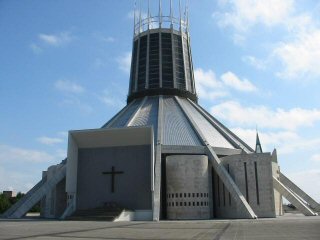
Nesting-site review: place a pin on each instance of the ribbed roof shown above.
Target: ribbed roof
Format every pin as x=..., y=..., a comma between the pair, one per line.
x=177, y=129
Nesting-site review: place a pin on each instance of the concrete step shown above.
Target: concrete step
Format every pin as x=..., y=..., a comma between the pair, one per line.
x=96, y=214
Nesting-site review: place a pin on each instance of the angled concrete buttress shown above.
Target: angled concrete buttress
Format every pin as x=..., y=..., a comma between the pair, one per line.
x=292, y=198
x=19, y=209
x=244, y=207
x=299, y=192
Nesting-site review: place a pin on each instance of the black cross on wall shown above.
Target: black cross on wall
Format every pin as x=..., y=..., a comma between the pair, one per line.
x=113, y=173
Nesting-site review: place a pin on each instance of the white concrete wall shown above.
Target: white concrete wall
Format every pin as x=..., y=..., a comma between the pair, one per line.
x=187, y=187
x=277, y=196
x=54, y=202
x=263, y=203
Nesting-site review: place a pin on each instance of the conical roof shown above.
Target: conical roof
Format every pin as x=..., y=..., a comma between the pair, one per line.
x=162, y=91
x=175, y=126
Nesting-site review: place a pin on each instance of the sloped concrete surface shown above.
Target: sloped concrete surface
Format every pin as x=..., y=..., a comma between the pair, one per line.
x=290, y=226
x=287, y=182
x=25, y=204
x=292, y=198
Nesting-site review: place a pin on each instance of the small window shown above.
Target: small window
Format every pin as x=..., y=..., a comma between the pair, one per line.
x=189, y=204
x=189, y=194
x=185, y=195
x=180, y=204
x=177, y=195
x=201, y=203
x=193, y=204
x=201, y=195
x=197, y=203
x=181, y=195
x=176, y=203
x=197, y=194
x=192, y=194
x=185, y=204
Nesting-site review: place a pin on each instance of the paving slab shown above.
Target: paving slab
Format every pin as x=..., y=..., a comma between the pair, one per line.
x=290, y=226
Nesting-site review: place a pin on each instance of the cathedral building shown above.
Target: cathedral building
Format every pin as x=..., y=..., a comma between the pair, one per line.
x=163, y=156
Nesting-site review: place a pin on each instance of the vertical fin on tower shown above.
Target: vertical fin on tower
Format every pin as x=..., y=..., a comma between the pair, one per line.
x=160, y=13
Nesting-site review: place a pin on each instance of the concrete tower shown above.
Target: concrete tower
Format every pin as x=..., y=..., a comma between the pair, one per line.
x=163, y=156
x=161, y=56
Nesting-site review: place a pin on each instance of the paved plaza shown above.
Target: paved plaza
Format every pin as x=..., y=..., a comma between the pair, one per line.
x=287, y=227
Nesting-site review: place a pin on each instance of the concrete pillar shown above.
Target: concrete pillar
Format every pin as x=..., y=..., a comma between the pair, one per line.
x=187, y=187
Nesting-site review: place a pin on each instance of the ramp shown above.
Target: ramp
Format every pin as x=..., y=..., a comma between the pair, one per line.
x=19, y=209
x=299, y=192
x=292, y=198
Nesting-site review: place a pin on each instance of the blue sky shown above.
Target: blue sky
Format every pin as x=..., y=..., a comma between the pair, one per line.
x=65, y=65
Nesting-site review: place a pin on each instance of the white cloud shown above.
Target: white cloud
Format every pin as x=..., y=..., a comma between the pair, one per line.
x=243, y=14
x=16, y=181
x=300, y=57
x=124, y=62
x=100, y=63
x=286, y=142
x=101, y=37
x=315, y=158
x=35, y=48
x=232, y=81
x=63, y=134
x=68, y=86
x=297, y=53
x=264, y=117
x=14, y=154
x=110, y=99
x=253, y=61
x=207, y=85
x=269, y=140
x=210, y=87
x=75, y=101
x=61, y=154
x=56, y=40
x=49, y=140
x=108, y=39
x=309, y=181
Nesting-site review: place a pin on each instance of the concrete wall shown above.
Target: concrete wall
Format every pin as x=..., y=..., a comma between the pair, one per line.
x=60, y=198
x=187, y=187
x=55, y=201
x=255, y=183
x=132, y=188
x=278, y=201
x=277, y=196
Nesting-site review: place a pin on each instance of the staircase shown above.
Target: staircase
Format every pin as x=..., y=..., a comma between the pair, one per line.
x=106, y=213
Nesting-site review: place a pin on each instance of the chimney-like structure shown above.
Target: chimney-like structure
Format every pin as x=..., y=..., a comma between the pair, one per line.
x=161, y=56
